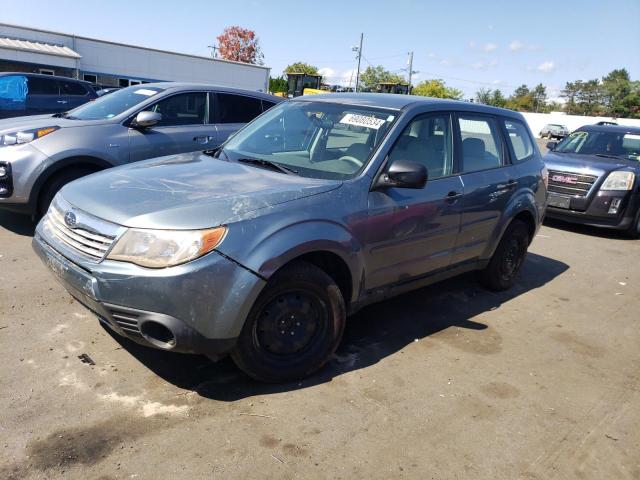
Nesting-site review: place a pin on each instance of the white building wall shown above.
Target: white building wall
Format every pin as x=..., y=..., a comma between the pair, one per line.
x=538, y=120
x=133, y=62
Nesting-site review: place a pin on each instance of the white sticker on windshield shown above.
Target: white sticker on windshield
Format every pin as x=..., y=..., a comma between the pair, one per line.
x=362, y=121
x=631, y=136
x=145, y=91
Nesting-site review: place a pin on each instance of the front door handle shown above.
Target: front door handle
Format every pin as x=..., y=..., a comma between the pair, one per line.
x=452, y=196
x=202, y=139
x=61, y=101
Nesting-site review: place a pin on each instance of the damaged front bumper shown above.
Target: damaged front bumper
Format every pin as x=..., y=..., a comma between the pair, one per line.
x=199, y=307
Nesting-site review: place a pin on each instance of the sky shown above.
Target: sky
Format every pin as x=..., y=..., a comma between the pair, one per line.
x=469, y=44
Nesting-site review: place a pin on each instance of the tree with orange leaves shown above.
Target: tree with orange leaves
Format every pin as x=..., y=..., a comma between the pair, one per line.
x=240, y=45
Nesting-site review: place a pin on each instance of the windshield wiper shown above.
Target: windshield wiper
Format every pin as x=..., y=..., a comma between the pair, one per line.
x=606, y=155
x=268, y=163
x=63, y=115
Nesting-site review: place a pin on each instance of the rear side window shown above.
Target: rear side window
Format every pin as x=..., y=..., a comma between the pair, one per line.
x=73, y=88
x=267, y=105
x=519, y=139
x=42, y=86
x=481, y=145
x=237, y=108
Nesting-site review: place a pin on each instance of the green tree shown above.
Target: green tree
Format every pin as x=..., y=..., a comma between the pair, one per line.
x=618, y=93
x=483, y=96
x=539, y=98
x=302, y=67
x=277, y=84
x=521, y=99
x=436, y=88
x=373, y=76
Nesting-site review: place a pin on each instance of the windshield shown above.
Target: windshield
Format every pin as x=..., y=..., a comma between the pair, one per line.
x=315, y=139
x=115, y=103
x=618, y=144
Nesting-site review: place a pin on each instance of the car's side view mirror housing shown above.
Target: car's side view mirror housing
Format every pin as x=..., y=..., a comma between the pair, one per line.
x=146, y=119
x=403, y=174
x=552, y=145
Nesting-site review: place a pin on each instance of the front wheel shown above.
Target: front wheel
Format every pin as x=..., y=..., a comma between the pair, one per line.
x=507, y=260
x=293, y=328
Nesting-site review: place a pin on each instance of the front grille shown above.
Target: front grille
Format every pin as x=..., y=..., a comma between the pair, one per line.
x=578, y=184
x=92, y=244
x=126, y=319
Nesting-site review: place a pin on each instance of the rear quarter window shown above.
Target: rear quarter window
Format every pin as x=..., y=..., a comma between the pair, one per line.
x=519, y=139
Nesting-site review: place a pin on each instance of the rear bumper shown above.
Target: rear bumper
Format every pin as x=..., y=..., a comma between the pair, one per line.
x=194, y=309
x=597, y=213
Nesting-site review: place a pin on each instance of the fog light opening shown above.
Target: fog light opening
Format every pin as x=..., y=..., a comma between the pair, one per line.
x=615, y=205
x=158, y=334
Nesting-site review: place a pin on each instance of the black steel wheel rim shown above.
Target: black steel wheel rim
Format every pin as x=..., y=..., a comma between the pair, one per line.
x=512, y=259
x=290, y=323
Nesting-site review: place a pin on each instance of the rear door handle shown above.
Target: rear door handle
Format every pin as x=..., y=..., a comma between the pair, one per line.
x=510, y=185
x=452, y=196
x=61, y=101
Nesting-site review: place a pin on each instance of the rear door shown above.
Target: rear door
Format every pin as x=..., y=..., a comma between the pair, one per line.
x=412, y=232
x=231, y=111
x=44, y=96
x=74, y=93
x=489, y=182
x=183, y=128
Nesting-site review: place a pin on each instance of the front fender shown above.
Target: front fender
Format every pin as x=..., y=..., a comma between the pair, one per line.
x=266, y=248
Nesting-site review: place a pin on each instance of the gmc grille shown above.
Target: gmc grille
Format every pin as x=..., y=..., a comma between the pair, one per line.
x=570, y=183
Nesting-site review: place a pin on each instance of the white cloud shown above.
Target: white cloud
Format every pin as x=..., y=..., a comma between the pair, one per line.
x=472, y=45
x=446, y=62
x=432, y=55
x=516, y=45
x=477, y=66
x=333, y=76
x=546, y=67
x=498, y=82
x=490, y=47
x=484, y=65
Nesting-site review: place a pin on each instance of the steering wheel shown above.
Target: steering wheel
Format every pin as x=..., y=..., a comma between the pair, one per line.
x=350, y=159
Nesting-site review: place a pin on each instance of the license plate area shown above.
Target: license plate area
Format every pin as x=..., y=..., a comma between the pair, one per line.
x=559, y=201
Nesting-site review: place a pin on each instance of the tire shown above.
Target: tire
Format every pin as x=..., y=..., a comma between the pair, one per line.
x=294, y=326
x=507, y=260
x=634, y=229
x=55, y=183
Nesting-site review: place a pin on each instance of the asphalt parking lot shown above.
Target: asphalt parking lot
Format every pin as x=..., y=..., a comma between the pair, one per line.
x=448, y=382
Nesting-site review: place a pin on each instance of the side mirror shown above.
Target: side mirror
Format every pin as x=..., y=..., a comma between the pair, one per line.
x=146, y=119
x=403, y=174
x=552, y=145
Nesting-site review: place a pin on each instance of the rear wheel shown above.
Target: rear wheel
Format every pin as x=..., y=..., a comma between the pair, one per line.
x=507, y=260
x=293, y=328
x=55, y=183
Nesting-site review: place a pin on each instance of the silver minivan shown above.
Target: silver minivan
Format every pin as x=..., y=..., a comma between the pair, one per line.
x=40, y=154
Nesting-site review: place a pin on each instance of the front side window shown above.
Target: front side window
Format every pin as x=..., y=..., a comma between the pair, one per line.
x=237, y=108
x=316, y=139
x=73, y=88
x=109, y=106
x=481, y=145
x=426, y=140
x=182, y=109
x=519, y=139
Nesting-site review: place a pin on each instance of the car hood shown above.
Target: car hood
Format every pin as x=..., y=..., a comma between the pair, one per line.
x=187, y=191
x=586, y=164
x=40, y=121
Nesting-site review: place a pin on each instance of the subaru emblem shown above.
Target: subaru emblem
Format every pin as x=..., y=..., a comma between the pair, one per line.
x=70, y=219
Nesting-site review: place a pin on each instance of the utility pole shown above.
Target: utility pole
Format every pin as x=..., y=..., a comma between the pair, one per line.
x=214, y=49
x=410, y=71
x=359, y=50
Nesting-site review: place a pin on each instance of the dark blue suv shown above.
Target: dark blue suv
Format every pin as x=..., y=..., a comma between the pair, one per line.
x=318, y=207
x=24, y=94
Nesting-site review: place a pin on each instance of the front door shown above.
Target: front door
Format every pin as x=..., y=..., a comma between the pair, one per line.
x=412, y=232
x=183, y=128
x=489, y=183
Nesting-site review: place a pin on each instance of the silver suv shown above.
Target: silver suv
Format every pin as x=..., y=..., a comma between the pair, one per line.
x=40, y=154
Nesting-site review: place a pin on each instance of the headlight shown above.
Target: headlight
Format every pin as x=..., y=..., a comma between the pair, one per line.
x=619, y=180
x=165, y=248
x=25, y=136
